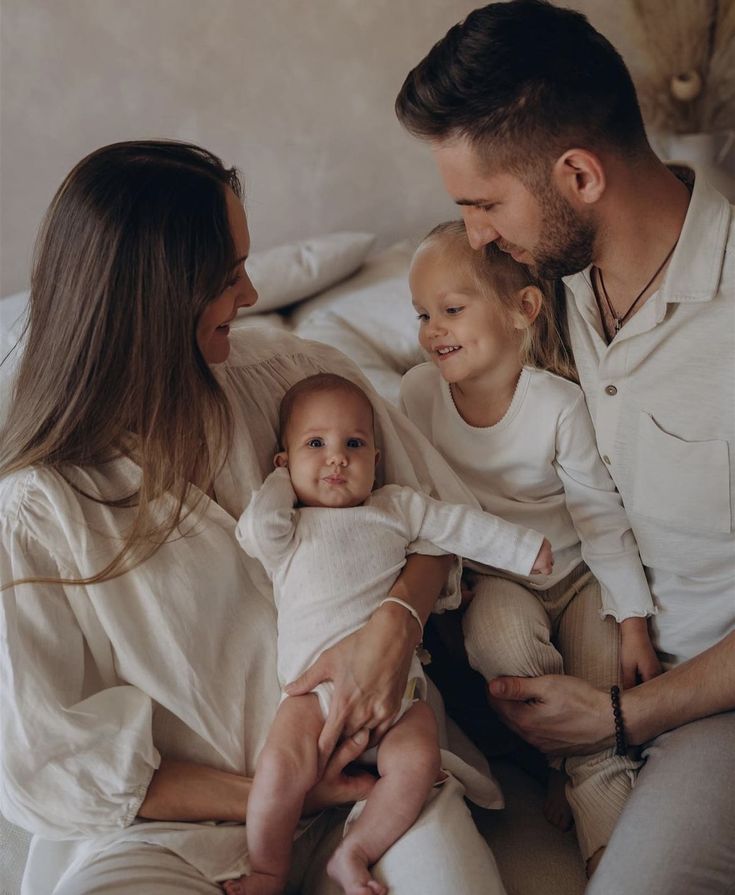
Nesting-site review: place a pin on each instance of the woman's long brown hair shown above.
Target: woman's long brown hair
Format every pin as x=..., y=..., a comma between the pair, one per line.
x=134, y=246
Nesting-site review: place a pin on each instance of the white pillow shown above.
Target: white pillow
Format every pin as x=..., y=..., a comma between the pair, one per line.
x=12, y=317
x=370, y=318
x=289, y=273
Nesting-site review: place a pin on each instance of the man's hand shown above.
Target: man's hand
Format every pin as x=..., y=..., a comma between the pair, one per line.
x=638, y=659
x=556, y=713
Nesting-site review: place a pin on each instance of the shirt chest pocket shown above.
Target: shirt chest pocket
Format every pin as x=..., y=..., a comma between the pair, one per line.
x=685, y=484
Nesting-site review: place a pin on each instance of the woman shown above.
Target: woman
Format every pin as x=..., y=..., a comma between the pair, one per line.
x=138, y=648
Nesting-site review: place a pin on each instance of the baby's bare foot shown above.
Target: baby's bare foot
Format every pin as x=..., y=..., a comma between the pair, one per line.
x=556, y=807
x=254, y=884
x=235, y=886
x=348, y=866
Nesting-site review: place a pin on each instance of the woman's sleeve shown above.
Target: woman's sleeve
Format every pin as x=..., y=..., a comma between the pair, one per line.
x=73, y=762
x=267, y=527
x=608, y=545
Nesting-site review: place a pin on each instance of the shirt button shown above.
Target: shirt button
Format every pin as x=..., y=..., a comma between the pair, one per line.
x=605, y=459
x=610, y=390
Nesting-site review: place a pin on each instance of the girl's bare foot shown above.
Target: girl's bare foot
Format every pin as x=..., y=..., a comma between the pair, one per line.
x=556, y=807
x=348, y=866
x=594, y=861
x=254, y=884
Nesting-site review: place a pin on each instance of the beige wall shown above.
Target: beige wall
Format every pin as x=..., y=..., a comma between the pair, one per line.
x=297, y=93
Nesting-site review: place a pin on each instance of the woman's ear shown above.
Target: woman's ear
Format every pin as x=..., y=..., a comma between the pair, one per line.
x=529, y=305
x=280, y=461
x=579, y=176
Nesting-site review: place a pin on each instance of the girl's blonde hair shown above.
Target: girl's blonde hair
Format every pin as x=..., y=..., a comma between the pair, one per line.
x=545, y=341
x=134, y=246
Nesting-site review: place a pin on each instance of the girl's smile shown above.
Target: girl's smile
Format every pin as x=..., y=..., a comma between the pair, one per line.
x=445, y=351
x=465, y=332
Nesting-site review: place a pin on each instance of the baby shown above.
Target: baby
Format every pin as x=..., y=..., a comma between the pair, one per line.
x=333, y=548
x=497, y=402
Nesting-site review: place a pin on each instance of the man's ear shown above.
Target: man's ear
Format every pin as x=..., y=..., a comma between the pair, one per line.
x=529, y=301
x=579, y=175
x=280, y=461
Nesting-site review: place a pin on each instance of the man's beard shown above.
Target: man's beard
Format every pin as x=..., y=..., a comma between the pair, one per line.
x=567, y=240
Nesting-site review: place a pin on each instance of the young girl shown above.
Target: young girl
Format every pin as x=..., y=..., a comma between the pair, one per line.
x=497, y=401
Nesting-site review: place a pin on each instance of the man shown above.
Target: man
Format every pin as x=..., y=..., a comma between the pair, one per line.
x=535, y=127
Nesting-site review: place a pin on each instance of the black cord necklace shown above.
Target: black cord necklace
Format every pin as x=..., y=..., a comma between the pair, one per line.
x=619, y=320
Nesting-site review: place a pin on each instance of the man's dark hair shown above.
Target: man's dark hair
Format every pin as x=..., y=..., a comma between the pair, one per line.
x=524, y=81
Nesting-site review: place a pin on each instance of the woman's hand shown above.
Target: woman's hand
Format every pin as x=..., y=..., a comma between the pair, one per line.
x=337, y=787
x=638, y=659
x=557, y=714
x=369, y=670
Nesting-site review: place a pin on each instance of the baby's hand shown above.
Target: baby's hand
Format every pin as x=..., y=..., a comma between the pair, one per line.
x=544, y=561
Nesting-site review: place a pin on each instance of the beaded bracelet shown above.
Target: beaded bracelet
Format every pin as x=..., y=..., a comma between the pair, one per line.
x=621, y=744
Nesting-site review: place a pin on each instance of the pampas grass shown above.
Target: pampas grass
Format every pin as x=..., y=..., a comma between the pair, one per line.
x=689, y=84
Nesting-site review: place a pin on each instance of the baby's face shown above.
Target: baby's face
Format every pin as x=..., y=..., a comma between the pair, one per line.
x=331, y=453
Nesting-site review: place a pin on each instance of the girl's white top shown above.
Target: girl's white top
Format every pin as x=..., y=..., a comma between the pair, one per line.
x=332, y=567
x=176, y=657
x=539, y=467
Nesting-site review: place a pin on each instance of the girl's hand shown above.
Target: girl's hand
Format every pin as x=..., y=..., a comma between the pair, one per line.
x=544, y=564
x=638, y=659
x=337, y=787
x=369, y=670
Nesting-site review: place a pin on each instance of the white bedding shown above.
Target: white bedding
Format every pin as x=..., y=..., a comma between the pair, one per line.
x=368, y=316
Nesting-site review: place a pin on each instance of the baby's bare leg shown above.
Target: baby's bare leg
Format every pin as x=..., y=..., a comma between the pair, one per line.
x=285, y=772
x=408, y=764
